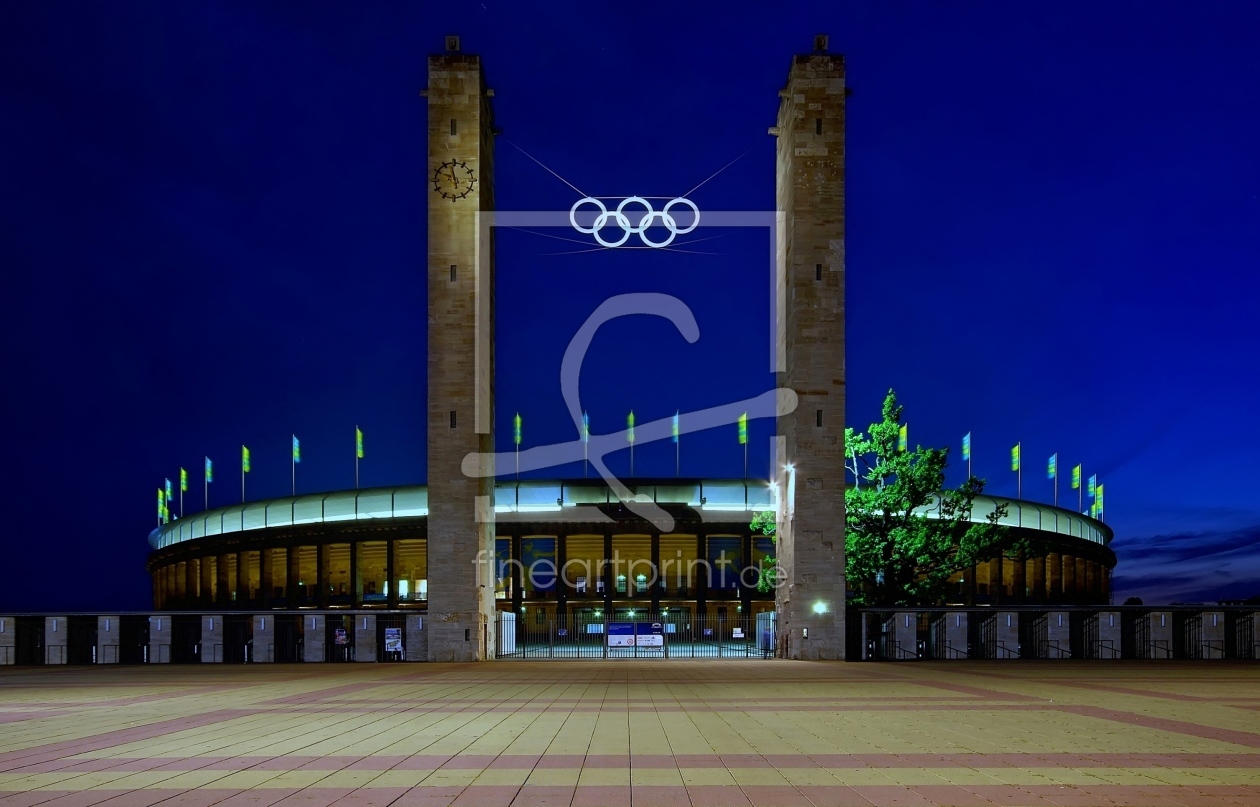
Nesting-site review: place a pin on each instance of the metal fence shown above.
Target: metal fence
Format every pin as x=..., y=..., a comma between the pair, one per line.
x=649, y=636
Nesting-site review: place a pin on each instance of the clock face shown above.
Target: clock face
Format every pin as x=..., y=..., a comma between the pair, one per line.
x=453, y=180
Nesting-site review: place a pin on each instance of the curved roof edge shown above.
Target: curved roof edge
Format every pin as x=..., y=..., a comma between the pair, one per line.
x=739, y=497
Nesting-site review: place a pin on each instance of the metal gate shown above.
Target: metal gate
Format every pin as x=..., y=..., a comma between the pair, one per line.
x=634, y=636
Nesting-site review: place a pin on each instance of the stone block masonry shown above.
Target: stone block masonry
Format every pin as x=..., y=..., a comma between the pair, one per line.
x=460, y=188
x=810, y=344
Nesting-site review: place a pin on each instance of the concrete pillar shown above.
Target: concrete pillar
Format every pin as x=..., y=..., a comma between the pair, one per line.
x=1159, y=637
x=1006, y=635
x=417, y=639
x=1054, y=563
x=8, y=640
x=206, y=568
x=1212, y=635
x=56, y=638
x=904, y=627
x=160, y=639
x=1108, y=635
x=312, y=638
x=809, y=340
x=365, y=637
x=192, y=583
x=955, y=635
x=1058, y=635
x=212, y=639
x=1069, y=579
x=264, y=638
x=1255, y=636
x=107, y=639
x=1019, y=582
x=1037, y=578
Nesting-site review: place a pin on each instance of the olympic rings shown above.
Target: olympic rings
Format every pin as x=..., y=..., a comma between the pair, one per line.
x=640, y=229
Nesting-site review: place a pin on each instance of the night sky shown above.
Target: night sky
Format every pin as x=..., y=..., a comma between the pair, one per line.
x=212, y=232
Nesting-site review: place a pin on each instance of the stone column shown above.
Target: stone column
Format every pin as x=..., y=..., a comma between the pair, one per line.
x=159, y=640
x=1058, y=635
x=1108, y=635
x=242, y=580
x=107, y=639
x=1070, y=593
x=1019, y=585
x=208, y=580
x=212, y=639
x=56, y=639
x=809, y=354
x=224, y=593
x=460, y=282
x=1038, y=577
x=365, y=637
x=417, y=643
x=313, y=638
x=1054, y=573
x=293, y=559
x=956, y=634
x=1212, y=635
x=264, y=638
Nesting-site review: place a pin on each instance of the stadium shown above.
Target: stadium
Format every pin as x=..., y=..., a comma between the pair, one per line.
x=568, y=556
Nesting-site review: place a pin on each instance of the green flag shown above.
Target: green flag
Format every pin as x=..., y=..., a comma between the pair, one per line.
x=903, y=437
x=358, y=443
x=743, y=428
x=1015, y=458
x=630, y=427
x=516, y=429
x=244, y=460
x=297, y=450
x=1052, y=467
x=1076, y=478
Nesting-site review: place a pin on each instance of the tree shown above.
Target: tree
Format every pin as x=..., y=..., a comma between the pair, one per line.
x=905, y=534
x=1133, y=601
x=766, y=524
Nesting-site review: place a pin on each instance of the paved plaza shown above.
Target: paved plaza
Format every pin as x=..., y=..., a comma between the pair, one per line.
x=632, y=733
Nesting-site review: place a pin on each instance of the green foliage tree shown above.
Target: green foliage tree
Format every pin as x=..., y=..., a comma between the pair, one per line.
x=765, y=523
x=905, y=533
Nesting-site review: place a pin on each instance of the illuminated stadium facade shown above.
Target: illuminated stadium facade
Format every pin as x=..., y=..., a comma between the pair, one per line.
x=467, y=562
x=561, y=548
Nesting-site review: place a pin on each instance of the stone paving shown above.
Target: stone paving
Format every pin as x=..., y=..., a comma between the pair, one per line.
x=632, y=733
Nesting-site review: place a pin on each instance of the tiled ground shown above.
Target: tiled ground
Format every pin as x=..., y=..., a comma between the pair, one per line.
x=632, y=733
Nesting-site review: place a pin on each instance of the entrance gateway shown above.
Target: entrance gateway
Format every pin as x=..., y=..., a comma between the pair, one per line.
x=636, y=635
x=466, y=621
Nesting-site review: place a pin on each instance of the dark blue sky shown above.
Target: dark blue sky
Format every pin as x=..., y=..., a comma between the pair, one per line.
x=212, y=233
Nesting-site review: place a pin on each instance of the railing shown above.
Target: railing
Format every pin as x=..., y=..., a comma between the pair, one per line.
x=1045, y=646
x=8, y=655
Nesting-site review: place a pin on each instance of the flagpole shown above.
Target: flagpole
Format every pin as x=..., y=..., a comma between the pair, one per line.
x=1080, y=492
x=356, y=458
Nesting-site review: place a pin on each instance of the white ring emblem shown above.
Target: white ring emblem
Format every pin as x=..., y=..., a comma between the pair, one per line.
x=640, y=229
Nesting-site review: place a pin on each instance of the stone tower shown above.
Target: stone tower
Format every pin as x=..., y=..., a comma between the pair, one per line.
x=809, y=446
x=460, y=189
